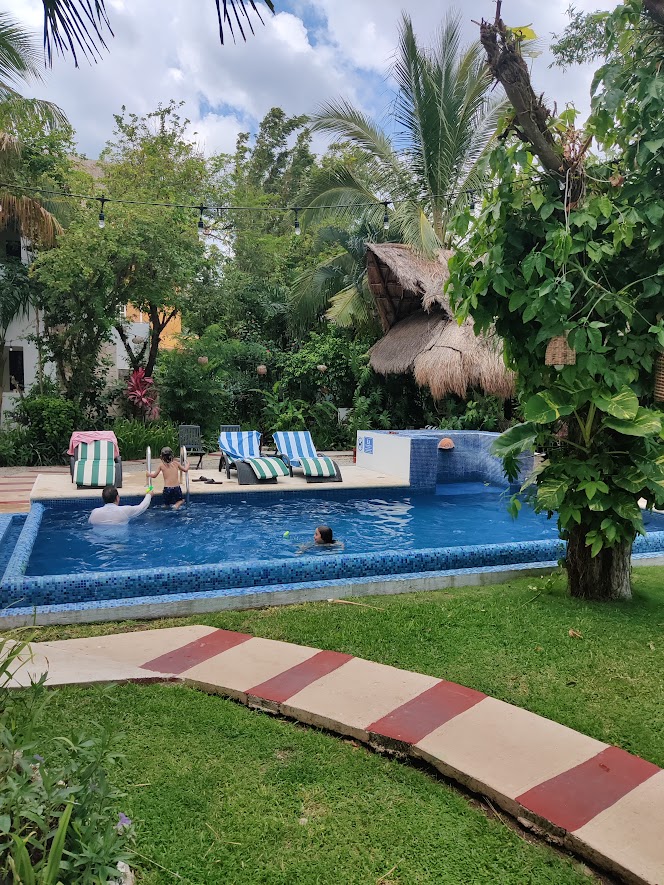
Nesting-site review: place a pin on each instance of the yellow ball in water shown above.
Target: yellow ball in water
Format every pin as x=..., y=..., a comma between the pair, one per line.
x=286, y=534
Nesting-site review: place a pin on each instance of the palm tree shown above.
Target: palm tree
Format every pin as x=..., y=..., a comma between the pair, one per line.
x=431, y=166
x=81, y=24
x=19, y=62
x=338, y=282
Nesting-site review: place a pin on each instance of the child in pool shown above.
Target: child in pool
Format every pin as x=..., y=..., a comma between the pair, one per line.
x=170, y=470
x=323, y=537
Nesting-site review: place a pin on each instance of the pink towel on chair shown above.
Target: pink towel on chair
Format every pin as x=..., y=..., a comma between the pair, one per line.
x=88, y=436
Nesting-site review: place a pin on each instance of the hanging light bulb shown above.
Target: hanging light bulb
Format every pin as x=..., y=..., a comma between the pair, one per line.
x=102, y=217
x=201, y=224
x=386, y=218
x=296, y=226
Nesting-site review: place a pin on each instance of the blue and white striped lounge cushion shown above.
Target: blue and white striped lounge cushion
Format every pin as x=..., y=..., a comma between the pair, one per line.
x=295, y=444
x=267, y=468
x=245, y=446
x=299, y=448
x=240, y=445
x=95, y=463
x=321, y=466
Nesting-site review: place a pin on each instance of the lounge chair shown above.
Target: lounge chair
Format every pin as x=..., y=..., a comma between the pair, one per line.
x=242, y=452
x=189, y=435
x=296, y=449
x=95, y=465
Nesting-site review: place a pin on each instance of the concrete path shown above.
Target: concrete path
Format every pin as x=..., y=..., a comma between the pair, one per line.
x=601, y=802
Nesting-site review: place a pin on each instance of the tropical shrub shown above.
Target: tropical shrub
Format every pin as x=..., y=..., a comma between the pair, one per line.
x=134, y=436
x=15, y=447
x=142, y=394
x=59, y=823
x=50, y=420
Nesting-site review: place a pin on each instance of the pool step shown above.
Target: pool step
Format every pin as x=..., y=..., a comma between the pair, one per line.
x=10, y=529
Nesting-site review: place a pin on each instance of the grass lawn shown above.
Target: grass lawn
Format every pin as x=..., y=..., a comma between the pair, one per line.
x=511, y=641
x=224, y=794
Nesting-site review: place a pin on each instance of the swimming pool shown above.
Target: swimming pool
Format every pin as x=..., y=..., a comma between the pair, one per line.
x=385, y=539
x=237, y=530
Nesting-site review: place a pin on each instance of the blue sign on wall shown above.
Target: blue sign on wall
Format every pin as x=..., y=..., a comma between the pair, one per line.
x=368, y=445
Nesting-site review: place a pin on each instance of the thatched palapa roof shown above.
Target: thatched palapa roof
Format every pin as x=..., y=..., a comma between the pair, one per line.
x=422, y=335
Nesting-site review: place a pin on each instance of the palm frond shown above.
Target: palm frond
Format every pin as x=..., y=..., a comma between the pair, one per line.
x=415, y=228
x=80, y=25
x=312, y=289
x=19, y=53
x=75, y=24
x=352, y=307
x=340, y=193
x=32, y=219
x=16, y=110
x=223, y=16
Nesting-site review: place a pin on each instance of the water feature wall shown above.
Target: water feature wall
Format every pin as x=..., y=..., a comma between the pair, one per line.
x=414, y=455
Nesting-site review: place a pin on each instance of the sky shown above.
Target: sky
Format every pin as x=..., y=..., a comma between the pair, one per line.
x=309, y=52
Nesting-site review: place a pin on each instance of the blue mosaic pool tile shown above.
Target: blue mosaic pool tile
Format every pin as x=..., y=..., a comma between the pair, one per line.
x=18, y=561
x=5, y=523
x=271, y=589
x=15, y=588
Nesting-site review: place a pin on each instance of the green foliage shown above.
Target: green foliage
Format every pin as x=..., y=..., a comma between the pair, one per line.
x=220, y=390
x=342, y=356
x=445, y=119
x=482, y=412
x=583, y=39
x=134, y=436
x=15, y=447
x=49, y=421
x=58, y=818
x=590, y=269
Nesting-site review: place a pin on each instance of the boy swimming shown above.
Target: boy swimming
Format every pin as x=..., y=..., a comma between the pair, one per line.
x=170, y=470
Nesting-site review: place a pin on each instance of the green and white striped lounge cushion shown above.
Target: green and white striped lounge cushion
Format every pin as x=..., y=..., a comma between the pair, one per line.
x=267, y=468
x=99, y=450
x=322, y=466
x=94, y=473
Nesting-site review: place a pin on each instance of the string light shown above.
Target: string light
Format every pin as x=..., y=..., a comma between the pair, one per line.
x=201, y=223
x=219, y=210
x=102, y=217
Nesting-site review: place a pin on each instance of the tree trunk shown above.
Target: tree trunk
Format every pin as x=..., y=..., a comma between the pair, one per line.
x=605, y=576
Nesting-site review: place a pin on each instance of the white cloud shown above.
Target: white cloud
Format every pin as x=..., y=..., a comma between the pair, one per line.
x=171, y=50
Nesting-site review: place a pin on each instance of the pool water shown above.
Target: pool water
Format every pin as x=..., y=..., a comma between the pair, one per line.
x=464, y=514
x=240, y=530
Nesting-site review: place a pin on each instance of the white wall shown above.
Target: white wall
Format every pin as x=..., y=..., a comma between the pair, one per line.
x=384, y=453
x=18, y=332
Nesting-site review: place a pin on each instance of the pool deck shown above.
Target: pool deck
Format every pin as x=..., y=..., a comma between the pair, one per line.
x=599, y=801
x=49, y=486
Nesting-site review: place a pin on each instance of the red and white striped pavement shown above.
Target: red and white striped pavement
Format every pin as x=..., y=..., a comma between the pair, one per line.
x=604, y=803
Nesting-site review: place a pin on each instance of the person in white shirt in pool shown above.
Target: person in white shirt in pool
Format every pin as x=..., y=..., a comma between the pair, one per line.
x=112, y=514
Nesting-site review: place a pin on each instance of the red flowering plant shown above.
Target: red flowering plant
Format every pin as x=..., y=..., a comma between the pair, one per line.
x=142, y=394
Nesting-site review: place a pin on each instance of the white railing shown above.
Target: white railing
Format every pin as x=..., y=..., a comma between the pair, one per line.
x=183, y=460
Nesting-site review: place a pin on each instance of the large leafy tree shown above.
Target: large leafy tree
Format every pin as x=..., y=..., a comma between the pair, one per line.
x=445, y=116
x=571, y=247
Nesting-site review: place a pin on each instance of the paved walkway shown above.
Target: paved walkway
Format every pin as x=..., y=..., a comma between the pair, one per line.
x=16, y=485
x=600, y=801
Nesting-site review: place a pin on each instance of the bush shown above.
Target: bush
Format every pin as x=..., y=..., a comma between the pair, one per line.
x=15, y=447
x=50, y=421
x=58, y=811
x=135, y=436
